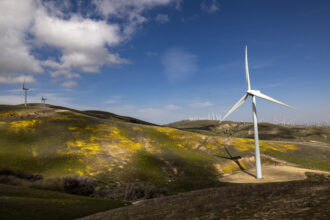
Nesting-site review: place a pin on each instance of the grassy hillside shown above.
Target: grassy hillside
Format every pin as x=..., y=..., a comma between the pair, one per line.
x=267, y=131
x=125, y=157
x=25, y=203
x=291, y=200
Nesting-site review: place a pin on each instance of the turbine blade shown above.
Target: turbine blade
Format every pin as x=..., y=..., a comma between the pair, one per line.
x=240, y=102
x=263, y=96
x=247, y=70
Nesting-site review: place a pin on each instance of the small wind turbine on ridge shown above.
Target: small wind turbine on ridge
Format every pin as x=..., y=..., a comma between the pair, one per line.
x=254, y=94
x=25, y=93
x=43, y=100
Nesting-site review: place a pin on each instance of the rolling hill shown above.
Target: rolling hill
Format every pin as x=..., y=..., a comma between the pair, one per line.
x=26, y=203
x=307, y=199
x=129, y=158
x=267, y=131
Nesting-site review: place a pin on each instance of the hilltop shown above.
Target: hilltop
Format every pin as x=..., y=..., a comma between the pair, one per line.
x=130, y=159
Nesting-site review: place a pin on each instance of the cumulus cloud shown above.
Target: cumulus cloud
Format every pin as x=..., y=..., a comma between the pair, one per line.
x=210, y=6
x=201, y=104
x=15, y=55
x=84, y=42
x=162, y=18
x=65, y=73
x=10, y=79
x=131, y=11
x=179, y=64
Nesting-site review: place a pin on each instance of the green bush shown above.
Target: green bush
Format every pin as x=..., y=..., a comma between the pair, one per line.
x=21, y=175
x=79, y=185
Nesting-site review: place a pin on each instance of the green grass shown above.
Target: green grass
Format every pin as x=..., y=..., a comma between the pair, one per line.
x=177, y=172
x=121, y=151
x=25, y=203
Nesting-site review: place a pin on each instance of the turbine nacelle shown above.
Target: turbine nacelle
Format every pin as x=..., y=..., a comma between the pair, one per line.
x=253, y=92
x=23, y=87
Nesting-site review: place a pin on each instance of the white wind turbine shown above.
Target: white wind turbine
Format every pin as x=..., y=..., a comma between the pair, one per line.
x=25, y=93
x=254, y=94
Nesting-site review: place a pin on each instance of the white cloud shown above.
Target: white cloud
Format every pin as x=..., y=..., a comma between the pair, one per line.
x=64, y=72
x=210, y=6
x=15, y=56
x=162, y=18
x=131, y=11
x=179, y=64
x=76, y=33
x=82, y=41
x=69, y=84
x=172, y=107
x=11, y=79
x=201, y=104
x=85, y=42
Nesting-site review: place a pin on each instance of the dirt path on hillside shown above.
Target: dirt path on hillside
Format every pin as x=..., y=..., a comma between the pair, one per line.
x=270, y=173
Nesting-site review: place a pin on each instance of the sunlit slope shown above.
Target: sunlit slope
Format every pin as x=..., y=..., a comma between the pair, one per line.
x=57, y=141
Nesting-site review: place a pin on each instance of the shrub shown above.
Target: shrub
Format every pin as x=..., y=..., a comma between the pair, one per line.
x=53, y=183
x=130, y=191
x=134, y=191
x=12, y=180
x=80, y=185
x=21, y=175
x=73, y=184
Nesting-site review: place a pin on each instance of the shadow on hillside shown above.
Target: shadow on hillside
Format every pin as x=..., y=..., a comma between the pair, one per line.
x=236, y=160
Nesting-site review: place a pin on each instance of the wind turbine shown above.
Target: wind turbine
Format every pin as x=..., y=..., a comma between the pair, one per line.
x=43, y=100
x=25, y=92
x=253, y=94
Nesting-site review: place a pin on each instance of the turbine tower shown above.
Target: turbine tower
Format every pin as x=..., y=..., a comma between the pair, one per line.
x=25, y=93
x=254, y=94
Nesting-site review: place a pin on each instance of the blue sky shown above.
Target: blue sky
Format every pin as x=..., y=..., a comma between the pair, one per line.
x=168, y=60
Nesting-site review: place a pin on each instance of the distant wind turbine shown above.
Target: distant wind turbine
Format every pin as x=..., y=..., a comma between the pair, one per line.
x=254, y=94
x=25, y=92
x=43, y=100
